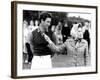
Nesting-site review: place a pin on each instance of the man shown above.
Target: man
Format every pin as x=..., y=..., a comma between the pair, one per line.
x=39, y=46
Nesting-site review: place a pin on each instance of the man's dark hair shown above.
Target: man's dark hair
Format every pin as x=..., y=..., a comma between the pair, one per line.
x=44, y=15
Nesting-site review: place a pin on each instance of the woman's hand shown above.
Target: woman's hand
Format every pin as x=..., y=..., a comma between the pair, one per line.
x=47, y=38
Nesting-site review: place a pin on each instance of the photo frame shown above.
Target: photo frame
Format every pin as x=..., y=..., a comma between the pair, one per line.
x=21, y=11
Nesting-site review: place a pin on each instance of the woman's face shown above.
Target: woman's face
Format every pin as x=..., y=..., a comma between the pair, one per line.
x=79, y=33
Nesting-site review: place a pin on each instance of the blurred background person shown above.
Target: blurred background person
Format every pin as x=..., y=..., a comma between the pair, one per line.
x=36, y=24
x=65, y=31
x=31, y=25
x=58, y=34
x=53, y=28
x=27, y=53
x=86, y=32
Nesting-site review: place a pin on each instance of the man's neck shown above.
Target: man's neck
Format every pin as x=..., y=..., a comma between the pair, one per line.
x=41, y=28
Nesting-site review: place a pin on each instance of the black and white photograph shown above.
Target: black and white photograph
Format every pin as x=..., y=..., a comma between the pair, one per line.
x=54, y=39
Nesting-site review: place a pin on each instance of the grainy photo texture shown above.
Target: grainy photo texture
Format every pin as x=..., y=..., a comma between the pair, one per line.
x=50, y=39
x=67, y=41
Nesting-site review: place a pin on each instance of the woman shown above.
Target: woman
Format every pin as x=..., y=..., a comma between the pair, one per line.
x=77, y=49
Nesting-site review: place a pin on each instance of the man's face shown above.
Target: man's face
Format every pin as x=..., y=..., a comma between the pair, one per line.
x=46, y=23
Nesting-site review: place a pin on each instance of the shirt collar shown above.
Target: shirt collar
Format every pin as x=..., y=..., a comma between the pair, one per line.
x=41, y=31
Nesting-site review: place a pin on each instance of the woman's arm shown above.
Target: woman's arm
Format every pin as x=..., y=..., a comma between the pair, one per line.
x=53, y=47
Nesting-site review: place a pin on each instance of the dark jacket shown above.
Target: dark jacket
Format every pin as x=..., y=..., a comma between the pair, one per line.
x=40, y=45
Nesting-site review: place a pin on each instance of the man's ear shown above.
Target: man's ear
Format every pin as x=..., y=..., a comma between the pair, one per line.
x=42, y=20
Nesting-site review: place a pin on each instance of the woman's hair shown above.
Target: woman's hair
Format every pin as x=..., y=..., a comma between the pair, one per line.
x=73, y=31
x=76, y=28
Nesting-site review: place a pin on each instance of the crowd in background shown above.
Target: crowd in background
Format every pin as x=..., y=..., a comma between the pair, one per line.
x=62, y=30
